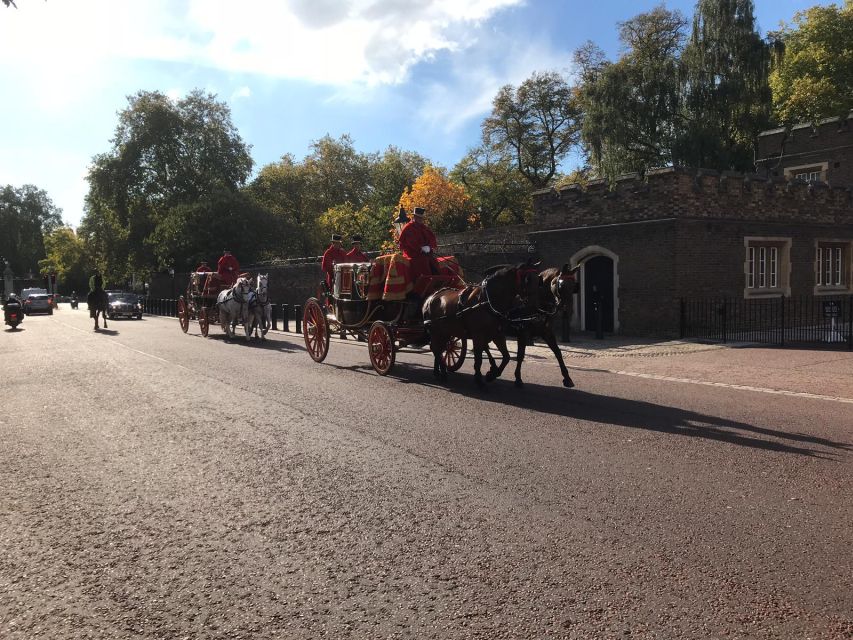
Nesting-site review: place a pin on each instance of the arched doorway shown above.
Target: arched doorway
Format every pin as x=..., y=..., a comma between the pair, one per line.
x=598, y=292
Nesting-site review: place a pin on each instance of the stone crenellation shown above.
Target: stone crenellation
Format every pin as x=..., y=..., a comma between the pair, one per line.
x=690, y=193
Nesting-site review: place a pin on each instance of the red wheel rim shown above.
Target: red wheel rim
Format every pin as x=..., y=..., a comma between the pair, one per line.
x=381, y=348
x=315, y=332
x=454, y=354
x=203, y=324
x=183, y=315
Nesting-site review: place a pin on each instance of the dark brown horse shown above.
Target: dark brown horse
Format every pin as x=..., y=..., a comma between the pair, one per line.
x=479, y=312
x=556, y=293
x=97, y=300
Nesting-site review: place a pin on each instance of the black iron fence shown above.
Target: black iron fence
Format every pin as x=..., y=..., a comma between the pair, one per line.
x=286, y=316
x=283, y=315
x=815, y=320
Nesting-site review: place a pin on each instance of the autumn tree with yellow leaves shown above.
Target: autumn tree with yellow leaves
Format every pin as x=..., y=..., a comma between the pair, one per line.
x=448, y=206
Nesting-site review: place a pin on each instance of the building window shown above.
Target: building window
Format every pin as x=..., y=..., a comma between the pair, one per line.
x=766, y=267
x=832, y=265
x=809, y=176
x=816, y=172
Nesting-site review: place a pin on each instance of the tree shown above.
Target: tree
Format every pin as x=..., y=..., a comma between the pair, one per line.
x=536, y=125
x=164, y=154
x=27, y=214
x=725, y=68
x=68, y=258
x=631, y=106
x=448, y=206
x=499, y=193
x=812, y=76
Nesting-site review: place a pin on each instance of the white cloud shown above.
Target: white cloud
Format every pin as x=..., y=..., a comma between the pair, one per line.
x=321, y=41
x=242, y=92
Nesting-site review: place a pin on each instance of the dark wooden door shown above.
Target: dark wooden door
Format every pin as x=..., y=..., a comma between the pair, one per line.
x=598, y=290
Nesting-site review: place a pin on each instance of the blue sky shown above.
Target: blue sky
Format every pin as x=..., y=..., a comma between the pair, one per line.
x=416, y=75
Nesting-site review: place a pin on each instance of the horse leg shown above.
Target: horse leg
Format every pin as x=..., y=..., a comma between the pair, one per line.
x=522, y=347
x=478, y=349
x=438, y=368
x=500, y=343
x=104, y=316
x=551, y=341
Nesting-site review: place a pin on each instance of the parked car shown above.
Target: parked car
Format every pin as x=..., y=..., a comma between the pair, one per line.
x=38, y=303
x=123, y=305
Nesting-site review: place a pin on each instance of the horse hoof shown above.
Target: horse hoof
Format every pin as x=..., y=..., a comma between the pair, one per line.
x=519, y=384
x=491, y=376
x=568, y=383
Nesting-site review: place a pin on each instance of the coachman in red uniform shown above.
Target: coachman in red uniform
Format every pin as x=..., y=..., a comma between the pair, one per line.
x=228, y=268
x=203, y=267
x=417, y=241
x=356, y=254
x=332, y=256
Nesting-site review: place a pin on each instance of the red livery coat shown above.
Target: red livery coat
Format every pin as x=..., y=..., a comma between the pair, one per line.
x=333, y=255
x=228, y=268
x=413, y=237
x=356, y=255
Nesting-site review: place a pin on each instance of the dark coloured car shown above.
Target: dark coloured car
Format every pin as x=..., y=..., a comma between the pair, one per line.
x=123, y=305
x=38, y=303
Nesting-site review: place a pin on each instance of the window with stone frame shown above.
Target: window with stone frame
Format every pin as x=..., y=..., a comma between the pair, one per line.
x=767, y=266
x=832, y=265
x=816, y=172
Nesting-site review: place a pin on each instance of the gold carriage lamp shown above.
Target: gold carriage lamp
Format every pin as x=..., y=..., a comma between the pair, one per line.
x=400, y=221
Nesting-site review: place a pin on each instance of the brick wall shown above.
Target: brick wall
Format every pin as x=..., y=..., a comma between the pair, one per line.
x=680, y=193
x=830, y=142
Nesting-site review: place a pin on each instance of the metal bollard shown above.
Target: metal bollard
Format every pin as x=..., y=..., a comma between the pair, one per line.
x=274, y=317
x=285, y=317
x=297, y=317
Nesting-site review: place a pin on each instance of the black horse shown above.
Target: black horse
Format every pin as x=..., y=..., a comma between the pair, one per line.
x=556, y=293
x=479, y=312
x=97, y=300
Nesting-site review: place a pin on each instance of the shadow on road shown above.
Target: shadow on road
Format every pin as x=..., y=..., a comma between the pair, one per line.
x=635, y=414
x=107, y=332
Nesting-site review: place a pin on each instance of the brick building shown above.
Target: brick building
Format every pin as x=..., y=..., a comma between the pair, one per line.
x=644, y=244
x=822, y=153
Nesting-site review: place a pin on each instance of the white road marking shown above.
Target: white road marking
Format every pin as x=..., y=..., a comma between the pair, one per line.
x=724, y=385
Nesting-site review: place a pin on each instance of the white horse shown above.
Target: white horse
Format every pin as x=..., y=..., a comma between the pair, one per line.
x=260, y=308
x=233, y=305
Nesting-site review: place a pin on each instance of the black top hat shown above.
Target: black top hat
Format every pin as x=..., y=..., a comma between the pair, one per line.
x=419, y=211
x=336, y=237
x=356, y=238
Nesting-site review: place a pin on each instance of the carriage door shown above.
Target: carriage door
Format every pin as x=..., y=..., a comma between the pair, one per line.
x=598, y=289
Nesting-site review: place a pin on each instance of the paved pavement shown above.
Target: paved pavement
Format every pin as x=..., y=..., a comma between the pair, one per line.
x=161, y=485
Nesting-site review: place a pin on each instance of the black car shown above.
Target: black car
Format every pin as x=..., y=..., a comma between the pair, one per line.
x=123, y=305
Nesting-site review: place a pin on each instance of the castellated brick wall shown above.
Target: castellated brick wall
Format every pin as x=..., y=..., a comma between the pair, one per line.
x=682, y=193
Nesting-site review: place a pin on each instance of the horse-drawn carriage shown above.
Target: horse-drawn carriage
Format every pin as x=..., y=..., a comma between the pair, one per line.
x=211, y=300
x=374, y=302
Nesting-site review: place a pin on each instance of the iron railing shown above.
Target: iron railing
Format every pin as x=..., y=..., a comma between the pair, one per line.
x=814, y=320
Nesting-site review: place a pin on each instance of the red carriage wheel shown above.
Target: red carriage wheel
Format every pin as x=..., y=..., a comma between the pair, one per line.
x=454, y=353
x=183, y=314
x=380, y=346
x=203, y=322
x=315, y=330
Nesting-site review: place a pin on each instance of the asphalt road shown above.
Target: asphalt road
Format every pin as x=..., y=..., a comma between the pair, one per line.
x=161, y=485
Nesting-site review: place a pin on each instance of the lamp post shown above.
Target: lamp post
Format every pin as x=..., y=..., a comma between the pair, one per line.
x=400, y=221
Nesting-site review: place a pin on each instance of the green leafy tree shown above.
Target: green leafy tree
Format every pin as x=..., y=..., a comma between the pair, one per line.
x=535, y=125
x=164, y=154
x=68, y=258
x=499, y=193
x=631, y=107
x=812, y=76
x=190, y=232
x=725, y=68
x=27, y=214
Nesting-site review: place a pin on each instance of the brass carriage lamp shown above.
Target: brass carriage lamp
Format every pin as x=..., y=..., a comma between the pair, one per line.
x=400, y=221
